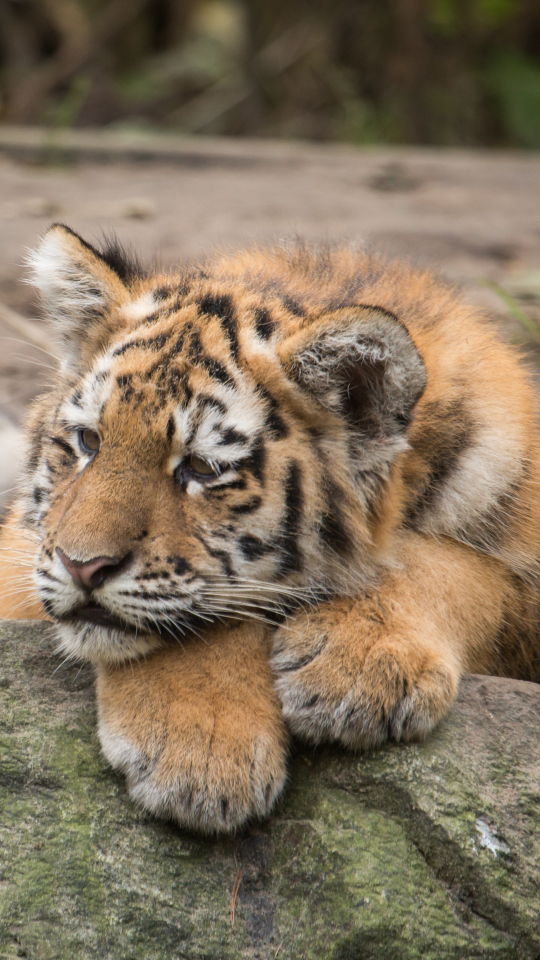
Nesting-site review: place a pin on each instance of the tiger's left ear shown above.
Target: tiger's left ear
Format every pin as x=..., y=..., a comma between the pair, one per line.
x=78, y=287
x=361, y=364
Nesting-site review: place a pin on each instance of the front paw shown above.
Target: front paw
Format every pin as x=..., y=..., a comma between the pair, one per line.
x=192, y=748
x=343, y=681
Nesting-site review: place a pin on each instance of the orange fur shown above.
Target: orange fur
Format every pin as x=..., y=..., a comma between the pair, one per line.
x=370, y=467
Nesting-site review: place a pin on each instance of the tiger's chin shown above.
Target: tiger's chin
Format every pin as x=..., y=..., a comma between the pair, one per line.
x=104, y=643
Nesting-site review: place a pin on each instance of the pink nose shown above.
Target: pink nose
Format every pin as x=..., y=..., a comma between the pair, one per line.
x=90, y=574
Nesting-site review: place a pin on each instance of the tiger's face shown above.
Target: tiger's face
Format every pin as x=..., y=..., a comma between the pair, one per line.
x=197, y=458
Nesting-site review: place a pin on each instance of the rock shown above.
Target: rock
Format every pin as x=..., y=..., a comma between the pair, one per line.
x=427, y=851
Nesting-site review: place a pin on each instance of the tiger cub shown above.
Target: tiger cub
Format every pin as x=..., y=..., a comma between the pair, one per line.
x=298, y=486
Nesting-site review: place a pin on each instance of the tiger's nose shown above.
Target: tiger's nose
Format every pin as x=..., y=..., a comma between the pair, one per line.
x=90, y=574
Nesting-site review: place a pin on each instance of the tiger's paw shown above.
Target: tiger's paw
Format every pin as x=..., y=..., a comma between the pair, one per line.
x=359, y=690
x=196, y=779
x=189, y=753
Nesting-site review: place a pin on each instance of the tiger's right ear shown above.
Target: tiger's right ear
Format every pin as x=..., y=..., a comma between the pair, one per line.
x=362, y=364
x=77, y=286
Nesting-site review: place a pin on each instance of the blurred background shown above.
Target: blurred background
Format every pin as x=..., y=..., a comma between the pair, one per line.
x=438, y=72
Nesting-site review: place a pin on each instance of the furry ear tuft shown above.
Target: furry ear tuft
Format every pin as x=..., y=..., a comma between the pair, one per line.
x=77, y=285
x=362, y=365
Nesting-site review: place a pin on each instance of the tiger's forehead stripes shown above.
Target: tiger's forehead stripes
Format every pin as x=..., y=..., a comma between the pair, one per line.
x=84, y=405
x=221, y=426
x=213, y=411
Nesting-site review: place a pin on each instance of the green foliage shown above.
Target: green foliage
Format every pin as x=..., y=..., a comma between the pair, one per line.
x=448, y=16
x=439, y=72
x=515, y=79
x=493, y=12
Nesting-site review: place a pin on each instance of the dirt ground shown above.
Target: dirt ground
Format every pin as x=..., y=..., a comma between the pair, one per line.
x=472, y=216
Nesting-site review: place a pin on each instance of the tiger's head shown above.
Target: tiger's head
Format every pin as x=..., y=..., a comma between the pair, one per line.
x=210, y=448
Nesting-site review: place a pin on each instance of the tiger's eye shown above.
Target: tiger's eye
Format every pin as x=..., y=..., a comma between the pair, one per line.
x=90, y=441
x=201, y=466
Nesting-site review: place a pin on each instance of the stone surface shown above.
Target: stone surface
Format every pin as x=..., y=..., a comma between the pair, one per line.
x=428, y=851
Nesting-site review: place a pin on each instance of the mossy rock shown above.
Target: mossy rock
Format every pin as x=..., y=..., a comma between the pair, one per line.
x=429, y=851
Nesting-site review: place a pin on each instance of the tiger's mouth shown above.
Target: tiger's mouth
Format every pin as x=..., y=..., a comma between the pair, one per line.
x=95, y=614
x=100, y=617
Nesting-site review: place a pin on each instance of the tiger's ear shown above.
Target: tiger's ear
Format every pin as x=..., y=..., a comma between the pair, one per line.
x=361, y=364
x=76, y=284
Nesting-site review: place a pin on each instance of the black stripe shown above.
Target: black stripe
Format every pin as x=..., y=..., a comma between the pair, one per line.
x=443, y=434
x=218, y=493
x=204, y=400
x=64, y=445
x=256, y=461
x=195, y=351
x=47, y=575
x=264, y=324
x=170, y=429
x=292, y=559
x=188, y=392
x=151, y=343
x=221, y=306
x=34, y=455
x=332, y=527
x=252, y=547
x=221, y=555
x=126, y=385
x=307, y=658
x=232, y=436
x=293, y=306
x=248, y=507
x=216, y=370
x=162, y=293
x=275, y=424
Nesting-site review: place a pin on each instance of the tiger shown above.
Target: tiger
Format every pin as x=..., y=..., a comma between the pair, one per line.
x=284, y=492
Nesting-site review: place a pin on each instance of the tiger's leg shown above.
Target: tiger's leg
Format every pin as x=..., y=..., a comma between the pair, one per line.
x=198, y=730
x=387, y=666
x=18, y=597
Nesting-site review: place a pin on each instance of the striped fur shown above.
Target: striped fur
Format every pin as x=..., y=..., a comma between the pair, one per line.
x=370, y=473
